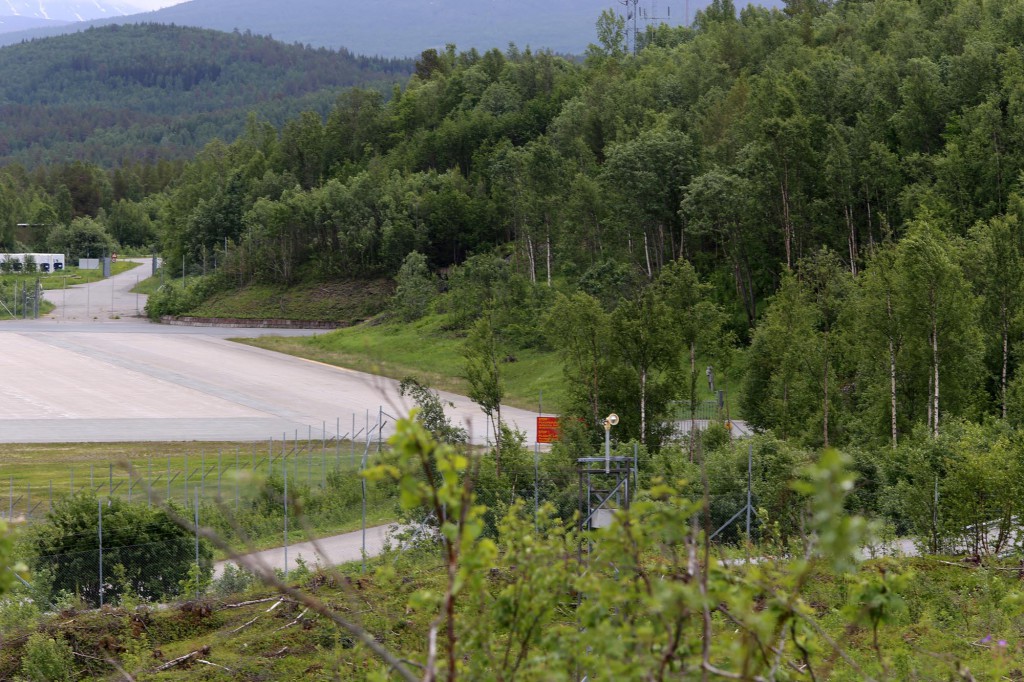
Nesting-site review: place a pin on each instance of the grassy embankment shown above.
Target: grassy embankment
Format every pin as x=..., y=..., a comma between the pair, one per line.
x=346, y=302
x=423, y=349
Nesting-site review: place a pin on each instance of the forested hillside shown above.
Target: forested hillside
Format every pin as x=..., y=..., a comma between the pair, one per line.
x=145, y=92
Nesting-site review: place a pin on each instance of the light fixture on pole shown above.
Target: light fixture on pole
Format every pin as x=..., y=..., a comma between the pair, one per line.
x=609, y=421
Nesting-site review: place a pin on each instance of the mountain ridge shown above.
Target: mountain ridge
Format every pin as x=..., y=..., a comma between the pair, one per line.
x=402, y=28
x=67, y=10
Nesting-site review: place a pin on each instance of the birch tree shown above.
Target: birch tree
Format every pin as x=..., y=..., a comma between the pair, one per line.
x=940, y=313
x=995, y=266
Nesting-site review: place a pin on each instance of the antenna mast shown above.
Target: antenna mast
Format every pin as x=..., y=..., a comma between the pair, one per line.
x=649, y=18
x=632, y=11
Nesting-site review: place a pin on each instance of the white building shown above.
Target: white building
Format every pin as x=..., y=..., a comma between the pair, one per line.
x=45, y=262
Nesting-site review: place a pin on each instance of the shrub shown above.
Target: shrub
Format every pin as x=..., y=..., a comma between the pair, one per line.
x=233, y=580
x=416, y=288
x=47, y=660
x=154, y=553
x=180, y=300
x=83, y=238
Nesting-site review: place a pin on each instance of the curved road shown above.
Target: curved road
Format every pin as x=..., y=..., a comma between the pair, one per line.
x=93, y=372
x=101, y=302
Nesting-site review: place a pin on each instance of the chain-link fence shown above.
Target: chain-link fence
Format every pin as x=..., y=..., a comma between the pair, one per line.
x=154, y=571
x=309, y=459
x=276, y=492
x=20, y=298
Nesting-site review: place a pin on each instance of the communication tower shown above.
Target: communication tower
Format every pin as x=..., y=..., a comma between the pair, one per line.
x=638, y=16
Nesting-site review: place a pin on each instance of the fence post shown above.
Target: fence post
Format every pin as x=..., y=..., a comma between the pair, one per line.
x=218, y=473
x=202, y=472
x=168, y=478
x=149, y=481
x=28, y=504
x=99, y=504
x=750, y=478
x=363, y=485
x=10, y=502
x=362, y=467
x=196, y=513
x=237, y=476
x=536, y=482
x=185, y=480
x=286, y=519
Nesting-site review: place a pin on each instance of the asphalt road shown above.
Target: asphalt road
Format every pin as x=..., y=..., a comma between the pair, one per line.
x=93, y=372
x=330, y=551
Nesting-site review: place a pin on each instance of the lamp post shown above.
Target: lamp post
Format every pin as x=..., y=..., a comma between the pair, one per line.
x=609, y=421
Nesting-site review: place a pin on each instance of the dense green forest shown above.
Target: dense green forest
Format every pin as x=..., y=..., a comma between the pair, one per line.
x=842, y=181
x=145, y=92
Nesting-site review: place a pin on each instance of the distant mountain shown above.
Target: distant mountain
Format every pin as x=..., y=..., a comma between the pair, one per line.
x=9, y=24
x=146, y=91
x=407, y=27
x=17, y=15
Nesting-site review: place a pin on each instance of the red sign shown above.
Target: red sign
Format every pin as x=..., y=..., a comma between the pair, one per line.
x=547, y=429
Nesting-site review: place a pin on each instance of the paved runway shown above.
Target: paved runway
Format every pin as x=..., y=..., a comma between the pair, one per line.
x=92, y=372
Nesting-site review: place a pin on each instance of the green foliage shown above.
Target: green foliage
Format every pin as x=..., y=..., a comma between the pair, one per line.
x=483, y=372
x=430, y=411
x=174, y=299
x=580, y=330
x=415, y=289
x=152, y=551
x=625, y=599
x=83, y=238
x=836, y=183
x=481, y=281
x=794, y=353
x=775, y=465
x=129, y=224
x=47, y=660
x=958, y=492
x=233, y=580
x=7, y=578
